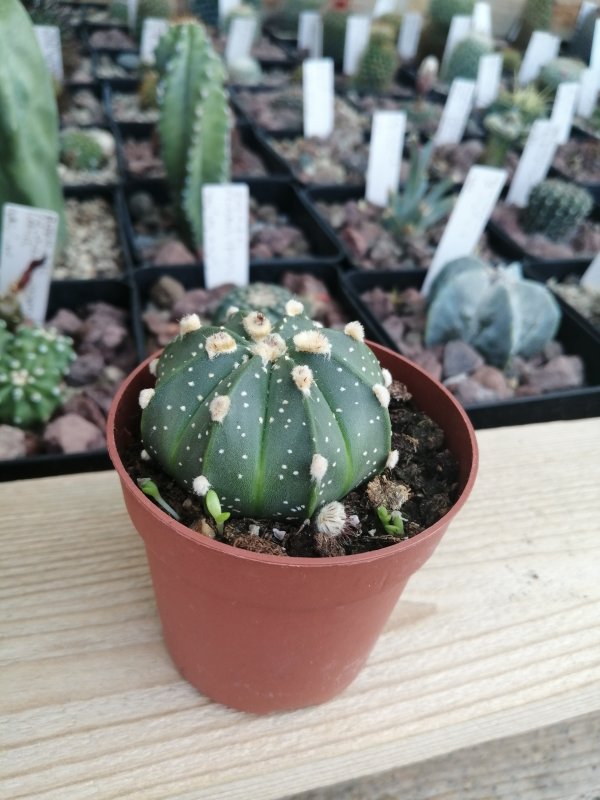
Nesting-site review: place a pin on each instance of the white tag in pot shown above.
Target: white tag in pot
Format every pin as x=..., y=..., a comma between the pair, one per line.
x=410, y=35
x=358, y=28
x=535, y=161
x=310, y=33
x=542, y=47
x=385, y=155
x=240, y=39
x=318, y=97
x=456, y=112
x=225, y=227
x=48, y=37
x=589, y=85
x=489, y=75
x=460, y=28
x=591, y=277
x=153, y=29
x=563, y=109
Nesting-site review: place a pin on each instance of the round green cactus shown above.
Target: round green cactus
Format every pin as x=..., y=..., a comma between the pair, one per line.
x=442, y=11
x=464, y=59
x=334, y=35
x=377, y=67
x=245, y=71
x=277, y=419
x=269, y=298
x=33, y=362
x=81, y=151
x=560, y=70
x=556, y=208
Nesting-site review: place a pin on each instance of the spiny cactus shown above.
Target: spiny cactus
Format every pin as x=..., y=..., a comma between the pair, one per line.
x=81, y=151
x=334, y=35
x=277, y=419
x=464, y=59
x=148, y=90
x=536, y=16
x=28, y=119
x=162, y=9
x=418, y=206
x=505, y=129
x=269, y=298
x=511, y=60
x=556, y=208
x=245, y=71
x=581, y=43
x=442, y=11
x=288, y=13
x=560, y=70
x=529, y=102
x=494, y=310
x=388, y=26
x=377, y=67
x=33, y=362
x=194, y=124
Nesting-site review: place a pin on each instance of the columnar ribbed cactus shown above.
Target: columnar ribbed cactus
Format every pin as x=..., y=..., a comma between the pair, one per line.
x=277, y=419
x=28, y=118
x=194, y=124
x=494, y=310
x=33, y=362
x=378, y=65
x=556, y=208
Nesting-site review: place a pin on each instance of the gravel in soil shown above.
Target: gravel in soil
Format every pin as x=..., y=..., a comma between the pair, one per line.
x=80, y=109
x=126, y=108
x=111, y=39
x=579, y=161
x=423, y=487
x=92, y=249
x=106, y=175
x=282, y=110
x=455, y=160
x=584, y=299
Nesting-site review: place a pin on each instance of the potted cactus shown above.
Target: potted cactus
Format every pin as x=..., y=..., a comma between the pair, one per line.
x=277, y=422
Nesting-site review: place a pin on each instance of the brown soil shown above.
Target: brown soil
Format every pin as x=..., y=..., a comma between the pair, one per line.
x=579, y=161
x=426, y=468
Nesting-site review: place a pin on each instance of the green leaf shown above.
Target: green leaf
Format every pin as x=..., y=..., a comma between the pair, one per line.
x=150, y=489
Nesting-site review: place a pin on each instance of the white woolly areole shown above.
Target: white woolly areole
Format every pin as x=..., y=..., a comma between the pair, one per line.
x=219, y=407
x=201, y=485
x=189, y=323
x=153, y=366
x=331, y=519
x=145, y=396
x=392, y=459
x=219, y=343
x=382, y=394
x=293, y=308
x=355, y=330
x=303, y=378
x=387, y=377
x=231, y=311
x=256, y=325
x=270, y=348
x=318, y=467
x=144, y=455
x=312, y=342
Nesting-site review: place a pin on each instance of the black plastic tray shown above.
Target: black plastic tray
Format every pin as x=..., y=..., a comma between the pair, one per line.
x=72, y=295
x=125, y=129
x=284, y=196
x=569, y=404
x=124, y=84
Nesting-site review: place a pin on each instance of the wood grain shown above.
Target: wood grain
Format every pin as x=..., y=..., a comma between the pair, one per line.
x=497, y=636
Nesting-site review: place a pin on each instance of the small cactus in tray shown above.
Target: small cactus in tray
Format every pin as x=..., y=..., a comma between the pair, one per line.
x=80, y=150
x=269, y=298
x=536, y=16
x=494, y=310
x=334, y=34
x=556, y=209
x=377, y=67
x=560, y=70
x=464, y=59
x=278, y=420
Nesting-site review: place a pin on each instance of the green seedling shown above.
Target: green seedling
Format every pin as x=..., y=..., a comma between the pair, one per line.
x=392, y=522
x=150, y=489
x=213, y=506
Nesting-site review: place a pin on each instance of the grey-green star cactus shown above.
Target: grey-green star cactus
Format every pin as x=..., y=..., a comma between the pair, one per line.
x=33, y=362
x=278, y=419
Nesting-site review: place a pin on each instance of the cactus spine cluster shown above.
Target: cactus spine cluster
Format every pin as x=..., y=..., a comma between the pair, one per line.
x=378, y=65
x=194, y=124
x=277, y=419
x=495, y=310
x=464, y=59
x=33, y=362
x=556, y=208
x=28, y=119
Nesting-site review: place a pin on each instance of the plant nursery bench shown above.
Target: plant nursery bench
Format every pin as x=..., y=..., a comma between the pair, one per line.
x=485, y=683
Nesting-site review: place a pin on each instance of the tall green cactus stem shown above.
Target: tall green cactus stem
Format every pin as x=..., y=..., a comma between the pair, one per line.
x=536, y=16
x=28, y=119
x=334, y=35
x=377, y=67
x=278, y=419
x=556, y=208
x=194, y=124
x=33, y=362
x=494, y=310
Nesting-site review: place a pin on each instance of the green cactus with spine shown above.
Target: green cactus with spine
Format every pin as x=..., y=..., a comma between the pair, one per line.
x=560, y=70
x=528, y=101
x=334, y=35
x=377, y=67
x=556, y=209
x=435, y=32
x=148, y=90
x=495, y=310
x=387, y=25
x=418, y=205
x=464, y=59
x=33, y=362
x=536, y=16
x=119, y=12
x=511, y=60
x=81, y=151
x=504, y=130
x=161, y=9
x=194, y=124
x=269, y=298
x=28, y=119
x=245, y=71
x=581, y=43
x=277, y=419
x=288, y=14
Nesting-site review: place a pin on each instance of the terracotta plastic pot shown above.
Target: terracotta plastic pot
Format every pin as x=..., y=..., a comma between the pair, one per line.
x=265, y=633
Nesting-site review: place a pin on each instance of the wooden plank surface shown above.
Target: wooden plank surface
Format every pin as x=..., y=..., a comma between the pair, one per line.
x=498, y=635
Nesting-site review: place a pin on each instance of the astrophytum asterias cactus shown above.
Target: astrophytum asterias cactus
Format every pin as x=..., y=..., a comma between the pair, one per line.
x=279, y=419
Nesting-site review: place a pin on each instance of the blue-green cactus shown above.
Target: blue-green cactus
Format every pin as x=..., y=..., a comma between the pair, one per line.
x=194, y=124
x=28, y=119
x=33, y=362
x=496, y=310
x=278, y=419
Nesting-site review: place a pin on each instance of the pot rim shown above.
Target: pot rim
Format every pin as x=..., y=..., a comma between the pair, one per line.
x=295, y=561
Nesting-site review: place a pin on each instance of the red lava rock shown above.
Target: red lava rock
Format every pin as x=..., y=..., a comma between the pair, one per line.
x=13, y=442
x=395, y=328
x=66, y=322
x=460, y=357
x=494, y=379
x=429, y=363
x=85, y=369
x=355, y=241
x=167, y=291
x=173, y=252
x=72, y=434
x=161, y=326
x=562, y=372
x=469, y=391
x=83, y=405
x=379, y=302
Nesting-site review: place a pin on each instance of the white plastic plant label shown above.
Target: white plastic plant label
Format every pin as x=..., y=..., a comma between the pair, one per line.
x=153, y=30
x=410, y=35
x=469, y=217
x=27, y=256
x=460, y=28
x=584, y=10
x=48, y=37
x=542, y=47
x=226, y=7
x=132, y=6
x=384, y=7
x=591, y=277
x=456, y=112
x=358, y=28
x=317, y=94
x=481, y=21
x=595, y=54
x=225, y=224
x=310, y=33
x=563, y=109
x=240, y=38
x=385, y=155
x=489, y=75
x=535, y=161
x=589, y=85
